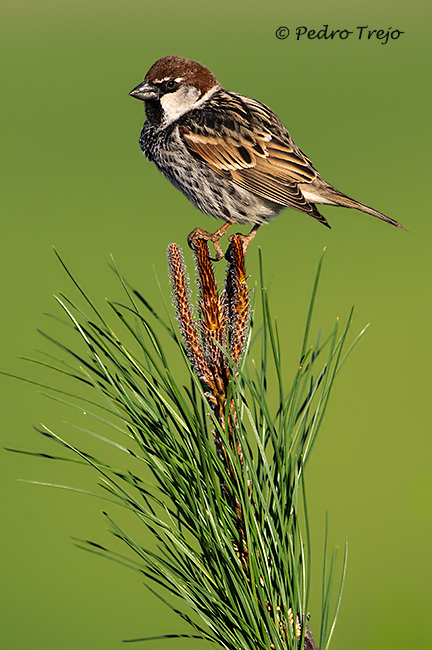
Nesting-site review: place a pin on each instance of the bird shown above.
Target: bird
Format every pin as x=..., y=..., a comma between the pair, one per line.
x=230, y=155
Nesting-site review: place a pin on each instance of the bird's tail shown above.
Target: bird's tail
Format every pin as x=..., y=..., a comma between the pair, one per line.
x=346, y=201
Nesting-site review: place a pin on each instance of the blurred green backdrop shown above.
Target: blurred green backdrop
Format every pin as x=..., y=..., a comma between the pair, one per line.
x=73, y=177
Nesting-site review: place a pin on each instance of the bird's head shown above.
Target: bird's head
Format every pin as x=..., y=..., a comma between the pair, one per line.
x=173, y=86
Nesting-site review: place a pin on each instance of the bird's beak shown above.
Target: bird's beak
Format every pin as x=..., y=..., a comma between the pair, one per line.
x=145, y=91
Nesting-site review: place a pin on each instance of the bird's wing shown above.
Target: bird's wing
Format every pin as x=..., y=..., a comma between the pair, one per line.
x=244, y=141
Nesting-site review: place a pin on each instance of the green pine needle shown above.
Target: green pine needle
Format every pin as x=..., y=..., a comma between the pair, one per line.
x=127, y=387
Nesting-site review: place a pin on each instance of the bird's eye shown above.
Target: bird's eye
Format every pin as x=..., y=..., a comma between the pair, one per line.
x=170, y=83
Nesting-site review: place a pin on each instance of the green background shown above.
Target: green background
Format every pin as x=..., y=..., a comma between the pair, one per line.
x=73, y=177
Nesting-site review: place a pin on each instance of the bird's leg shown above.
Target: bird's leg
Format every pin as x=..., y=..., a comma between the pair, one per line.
x=215, y=237
x=246, y=239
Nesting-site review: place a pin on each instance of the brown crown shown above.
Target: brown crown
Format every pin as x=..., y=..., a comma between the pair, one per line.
x=191, y=72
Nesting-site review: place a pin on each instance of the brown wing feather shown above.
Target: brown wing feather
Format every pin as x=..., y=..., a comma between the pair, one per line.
x=258, y=158
x=222, y=155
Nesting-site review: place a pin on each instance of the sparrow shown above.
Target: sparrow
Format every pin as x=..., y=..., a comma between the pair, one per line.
x=230, y=155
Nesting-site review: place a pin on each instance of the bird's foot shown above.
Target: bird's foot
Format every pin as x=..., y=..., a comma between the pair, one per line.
x=246, y=239
x=214, y=237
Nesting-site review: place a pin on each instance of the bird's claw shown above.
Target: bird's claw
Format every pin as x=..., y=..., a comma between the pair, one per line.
x=246, y=239
x=198, y=233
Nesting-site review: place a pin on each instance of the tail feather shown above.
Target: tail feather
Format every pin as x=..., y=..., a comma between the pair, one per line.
x=347, y=202
x=323, y=193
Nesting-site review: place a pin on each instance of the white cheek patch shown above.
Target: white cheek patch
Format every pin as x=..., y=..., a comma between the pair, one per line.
x=176, y=104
